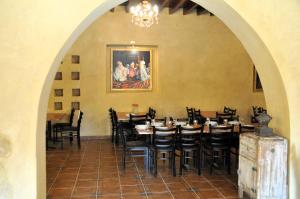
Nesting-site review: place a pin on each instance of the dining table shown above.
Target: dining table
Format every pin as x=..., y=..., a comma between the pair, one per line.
x=149, y=131
x=124, y=116
x=53, y=118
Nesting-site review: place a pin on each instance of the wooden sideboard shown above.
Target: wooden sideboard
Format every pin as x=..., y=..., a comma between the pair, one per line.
x=262, y=167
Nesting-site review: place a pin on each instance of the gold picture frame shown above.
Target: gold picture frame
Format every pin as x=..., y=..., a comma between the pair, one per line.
x=257, y=86
x=131, y=68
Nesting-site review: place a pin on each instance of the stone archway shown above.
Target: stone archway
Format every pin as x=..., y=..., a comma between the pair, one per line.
x=28, y=27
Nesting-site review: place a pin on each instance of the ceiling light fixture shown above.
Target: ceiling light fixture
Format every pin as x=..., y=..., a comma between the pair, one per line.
x=144, y=14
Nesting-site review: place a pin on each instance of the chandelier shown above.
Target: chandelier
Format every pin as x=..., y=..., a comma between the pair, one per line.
x=144, y=14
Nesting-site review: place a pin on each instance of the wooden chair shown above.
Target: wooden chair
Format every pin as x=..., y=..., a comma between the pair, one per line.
x=113, y=130
x=163, y=142
x=133, y=121
x=256, y=111
x=189, y=140
x=229, y=110
x=235, y=140
x=134, y=148
x=151, y=113
x=73, y=130
x=217, y=147
x=197, y=116
x=58, y=126
x=190, y=114
x=222, y=116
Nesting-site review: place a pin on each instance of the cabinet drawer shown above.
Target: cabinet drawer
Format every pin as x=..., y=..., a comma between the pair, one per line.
x=248, y=151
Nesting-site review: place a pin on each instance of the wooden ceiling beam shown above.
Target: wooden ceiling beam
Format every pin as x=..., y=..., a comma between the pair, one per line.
x=200, y=10
x=189, y=7
x=175, y=5
x=162, y=4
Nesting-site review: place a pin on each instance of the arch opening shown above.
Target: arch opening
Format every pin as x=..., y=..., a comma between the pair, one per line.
x=230, y=17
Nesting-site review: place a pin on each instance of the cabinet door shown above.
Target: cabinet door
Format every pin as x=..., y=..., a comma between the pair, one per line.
x=247, y=177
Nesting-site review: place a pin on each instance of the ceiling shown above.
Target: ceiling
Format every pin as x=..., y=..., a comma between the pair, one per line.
x=174, y=6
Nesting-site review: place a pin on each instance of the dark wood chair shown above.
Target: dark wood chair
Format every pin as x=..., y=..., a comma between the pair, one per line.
x=163, y=142
x=217, y=147
x=73, y=130
x=113, y=128
x=256, y=111
x=151, y=113
x=135, y=148
x=133, y=121
x=222, y=116
x=235, y=140
x=190, y=114
x=229, y=110
x=58, y=126
x=197, y=116
x=189, y=141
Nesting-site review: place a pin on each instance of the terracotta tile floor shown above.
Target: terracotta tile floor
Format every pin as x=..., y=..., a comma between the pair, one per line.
x=95, y=172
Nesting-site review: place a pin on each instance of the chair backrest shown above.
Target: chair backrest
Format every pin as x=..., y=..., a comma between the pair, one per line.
x=198, y=116
x=72, y=116
x=220, y=136
x=190, y=114
x=222, y=116
x=229, y=110
x=164, y=138
x=77, y=119
x=137, y=119
x=258, y=110
x=114, y=118
x=189, y=137
x=151, y=113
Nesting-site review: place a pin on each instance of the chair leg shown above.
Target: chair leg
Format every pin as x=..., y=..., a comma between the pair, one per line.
x=174, y=163
x=62, y=140
x=181, y=162
x=112, y=135
x=229, y=163
x=198, y=161
x=78, y=141
x=155, y=163
x=124, y=158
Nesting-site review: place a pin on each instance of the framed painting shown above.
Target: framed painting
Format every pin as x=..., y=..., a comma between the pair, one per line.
x=257, y=86
x=131, y=68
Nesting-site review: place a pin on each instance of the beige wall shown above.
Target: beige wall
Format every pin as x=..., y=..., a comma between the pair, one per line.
x=200, y=64
x=35, y=35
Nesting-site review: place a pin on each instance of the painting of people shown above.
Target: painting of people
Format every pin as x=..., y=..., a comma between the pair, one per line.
x=131, y=69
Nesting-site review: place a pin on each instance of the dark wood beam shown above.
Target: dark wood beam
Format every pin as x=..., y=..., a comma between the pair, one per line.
x=162, y=4
x=189, y=7
x=200, y=10
x=175, y=5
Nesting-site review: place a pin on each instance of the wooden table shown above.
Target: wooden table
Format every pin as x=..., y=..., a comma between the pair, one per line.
x=124, y=116
x=149, y=131
x=53, y=118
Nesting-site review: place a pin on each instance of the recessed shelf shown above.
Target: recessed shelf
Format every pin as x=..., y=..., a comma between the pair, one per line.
x=58, y=106
x=75, y=59
x=75, y=92
x=58, y=92
x=75, y=105
x=75, y=75
x=58, y=76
